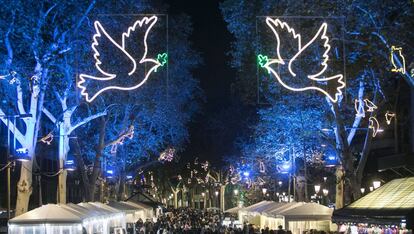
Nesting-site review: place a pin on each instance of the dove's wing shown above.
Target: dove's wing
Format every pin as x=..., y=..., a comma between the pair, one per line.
x=320, y=39
x=103, y=62
x=285, y=36
x=129, y=37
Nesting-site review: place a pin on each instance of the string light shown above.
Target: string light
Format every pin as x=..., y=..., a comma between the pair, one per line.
x=321, y=34
x=151, y=21
x=395, y=67
x=205, y=165
x=47, y=139
x=389, y=116
x=374, y=125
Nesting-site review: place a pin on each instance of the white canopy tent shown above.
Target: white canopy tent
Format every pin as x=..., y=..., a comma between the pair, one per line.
x=294, y=216
x=47, y=219
x=68, y=219
x=147, y=211
x=308, y=216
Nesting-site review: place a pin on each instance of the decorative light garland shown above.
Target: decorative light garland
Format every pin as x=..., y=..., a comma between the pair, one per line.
x=47, y=139
x=151, y=21
x=321, y=34
x=120, y=141
x=395, y=67
x=359, y=108
x=389, y=116
x=167, y=155
x=371, y=106
x=374, y=125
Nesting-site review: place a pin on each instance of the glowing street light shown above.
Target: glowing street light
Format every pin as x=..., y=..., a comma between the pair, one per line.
x=376, y=184
x=317, y=188
x=371, y=188
x=216, y=193
x=325, y=192
x=280, y=183
x=203, y=194
x=236, y=192
x=362, y=190
x=264, y=191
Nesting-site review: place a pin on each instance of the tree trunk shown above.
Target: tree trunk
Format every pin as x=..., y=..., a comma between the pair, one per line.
x=300, y=188
x=222, y=197
x=24, y=187
x=339, y=198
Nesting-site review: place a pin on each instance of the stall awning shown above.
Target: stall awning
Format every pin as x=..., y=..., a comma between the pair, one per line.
x=307, y=211
x=123, y=206
x=389, y=204
x=50, y=213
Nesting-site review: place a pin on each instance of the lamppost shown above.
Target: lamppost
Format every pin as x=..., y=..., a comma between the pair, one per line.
x=8, y=155
x=264, y=191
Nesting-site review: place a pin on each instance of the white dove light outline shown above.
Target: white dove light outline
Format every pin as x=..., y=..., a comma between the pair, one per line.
x=272, y=23
x=109, y=76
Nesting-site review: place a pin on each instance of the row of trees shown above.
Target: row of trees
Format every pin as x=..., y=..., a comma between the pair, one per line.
x=46, y=45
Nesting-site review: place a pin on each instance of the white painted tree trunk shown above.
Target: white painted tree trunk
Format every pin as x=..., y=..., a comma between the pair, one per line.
x=63, y=153
x=222, y=197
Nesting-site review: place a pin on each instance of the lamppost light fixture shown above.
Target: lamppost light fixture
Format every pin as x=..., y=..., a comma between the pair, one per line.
x=325, y=178
x=325, y=192
x=317, y=188
x=280, y=183
x=362, y=190
x=236, y=192
x=371, y=188
x=376, y=184
x=264, y=191
x=216, y=193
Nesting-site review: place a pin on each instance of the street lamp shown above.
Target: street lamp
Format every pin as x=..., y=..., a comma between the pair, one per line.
x=216, y=193
x=236, y=192
x=280, y=183
x=264, y=190
x=317, y=188
x=376, y=184
x=325, y=192
x=362, y=190
x=371, y=188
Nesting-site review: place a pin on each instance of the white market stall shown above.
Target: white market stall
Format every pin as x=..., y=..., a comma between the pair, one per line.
x=147, y=211
x=253, y=214
x=47, y=219
x=306, y=216
x=68, y=219
x=112, y=221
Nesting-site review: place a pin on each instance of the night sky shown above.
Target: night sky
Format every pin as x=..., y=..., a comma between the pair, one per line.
x=211, y=38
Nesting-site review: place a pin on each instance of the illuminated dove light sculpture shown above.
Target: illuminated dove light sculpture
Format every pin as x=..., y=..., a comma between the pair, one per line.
x=277, y=26
x=101, y=34
x=374, y=125
x=389, y=116
x=401, y=58
x=371, y=106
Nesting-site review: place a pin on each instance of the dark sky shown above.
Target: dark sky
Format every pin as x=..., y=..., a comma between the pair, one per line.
x=211, y=38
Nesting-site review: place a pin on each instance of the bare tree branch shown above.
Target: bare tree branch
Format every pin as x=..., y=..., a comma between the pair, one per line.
x=86, y=120
x=49, y=115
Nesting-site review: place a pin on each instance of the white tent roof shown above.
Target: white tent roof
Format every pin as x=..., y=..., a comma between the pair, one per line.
x=138, y=205
x=308, y=211
x=123, y=206
x=50, y=213
x=258, y=207
x=233, y=210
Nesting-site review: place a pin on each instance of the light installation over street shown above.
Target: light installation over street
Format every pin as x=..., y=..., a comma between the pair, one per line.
x=107, y=73
x=320, y=38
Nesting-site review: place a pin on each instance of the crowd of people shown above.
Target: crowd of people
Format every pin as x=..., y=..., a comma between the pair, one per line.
x=187, y=220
